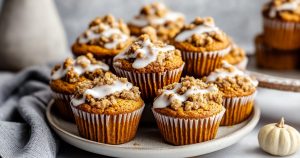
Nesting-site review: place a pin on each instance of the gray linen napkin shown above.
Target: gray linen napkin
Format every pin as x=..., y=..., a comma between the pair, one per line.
x=23, y=129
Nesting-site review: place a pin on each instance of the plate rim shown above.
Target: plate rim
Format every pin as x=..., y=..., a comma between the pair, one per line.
x=247, y=128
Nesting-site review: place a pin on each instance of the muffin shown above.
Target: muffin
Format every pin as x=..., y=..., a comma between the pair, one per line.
x=107, y=109
x=238, y=91
x=282, y=24
x=271, y=58
x=150, y=65
x=188, y=112
x=105, y=38
x=202, y=45
x=237, y=57
x=166, y=22
x=66, y=76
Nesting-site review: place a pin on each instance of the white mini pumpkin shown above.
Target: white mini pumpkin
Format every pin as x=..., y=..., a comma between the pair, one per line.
x=279, y=139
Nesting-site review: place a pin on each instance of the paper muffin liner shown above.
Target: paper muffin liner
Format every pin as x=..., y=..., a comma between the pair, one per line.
x=149, y=83
x=62, y=104
x=105, y=128
x=200, y=64
x=108, y=61
x=281, y=35
x=238, y=109
x=180, y=131
x=270, y=58
x=242, y=65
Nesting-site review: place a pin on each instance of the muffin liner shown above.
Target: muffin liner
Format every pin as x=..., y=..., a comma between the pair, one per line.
x=62, y=104
x=105, y=128
x=271, y=58
x=108, y=61
x=281, y=35
x=149, y=83
x=242, y=65
x=180, y=131
x=200, y=64
x=238, y=109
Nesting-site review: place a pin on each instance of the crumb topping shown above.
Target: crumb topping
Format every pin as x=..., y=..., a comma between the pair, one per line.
x=235, y=55
x=231, y=80
x=166, y=22
x=83, y=66
x=149, y=30
x=285, y=9
x=145, y=51
x=201, y=32
x=103, y=92
x=190, y=93
x=106, y=32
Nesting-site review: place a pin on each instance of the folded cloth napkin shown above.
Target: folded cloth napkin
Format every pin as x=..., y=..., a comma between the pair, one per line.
x=23, y=128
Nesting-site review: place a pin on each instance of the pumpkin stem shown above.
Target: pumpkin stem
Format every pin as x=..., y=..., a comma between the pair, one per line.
x=280, y=124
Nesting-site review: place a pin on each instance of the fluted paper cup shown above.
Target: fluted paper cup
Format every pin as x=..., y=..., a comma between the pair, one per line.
x=281, y=35
x=149, y=83
x=105, y=128
x=62, y=104
x=180, y=131
x=238, y=109
x=200, y=64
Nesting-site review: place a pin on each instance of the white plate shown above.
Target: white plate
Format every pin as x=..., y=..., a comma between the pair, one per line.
x=148, y=143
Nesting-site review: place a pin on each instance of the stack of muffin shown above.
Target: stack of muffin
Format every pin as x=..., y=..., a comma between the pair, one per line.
x=148, y=67
x=278, y=47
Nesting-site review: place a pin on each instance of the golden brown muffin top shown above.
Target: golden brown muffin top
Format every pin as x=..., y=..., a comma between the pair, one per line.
x=200, y=35
x=71, y=70
x=286, y=10
x=107, y=95
x=235, y=55
x=145, y=55
x=189, y=98
x=166, y=22
x=232, y=81
x=106, y=32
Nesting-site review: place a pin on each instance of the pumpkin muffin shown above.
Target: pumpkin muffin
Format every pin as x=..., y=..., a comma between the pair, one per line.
x=150, y=65
x=107, y=109
x=271, y=58
x=202, y=45
x=188, y=112
x=66, y=76
x=282, y=24
x=237, y=57
x=238, y=90
x=105, y=38
x=167, y=23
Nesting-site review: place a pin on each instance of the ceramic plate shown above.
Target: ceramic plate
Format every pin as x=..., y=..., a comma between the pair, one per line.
x=148, y=143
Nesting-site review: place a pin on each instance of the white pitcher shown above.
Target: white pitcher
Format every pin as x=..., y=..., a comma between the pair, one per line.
x=31, y=33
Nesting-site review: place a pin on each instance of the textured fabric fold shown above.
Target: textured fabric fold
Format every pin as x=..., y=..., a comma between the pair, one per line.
x=23, y=128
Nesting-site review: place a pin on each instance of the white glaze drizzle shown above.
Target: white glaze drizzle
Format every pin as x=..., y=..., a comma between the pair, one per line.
x=144, y=20
x=108, y=32
x=78, y=69
x=163, y=101
x=204, y=28
x=149, y=54
x=219, y=73
x=99, y=92
x=289, y=6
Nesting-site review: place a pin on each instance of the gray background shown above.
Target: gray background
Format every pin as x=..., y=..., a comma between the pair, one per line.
x=239, y=18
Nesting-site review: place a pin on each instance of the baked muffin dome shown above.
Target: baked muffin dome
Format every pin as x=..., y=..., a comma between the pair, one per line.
x=237, y=57
x=65, y=76
x=167, y=23
x=146, y=55
x=201, y=35
x=105, y=37
x=285, y=10
x=107, y=95
x=191, y=98
x=232, y=81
